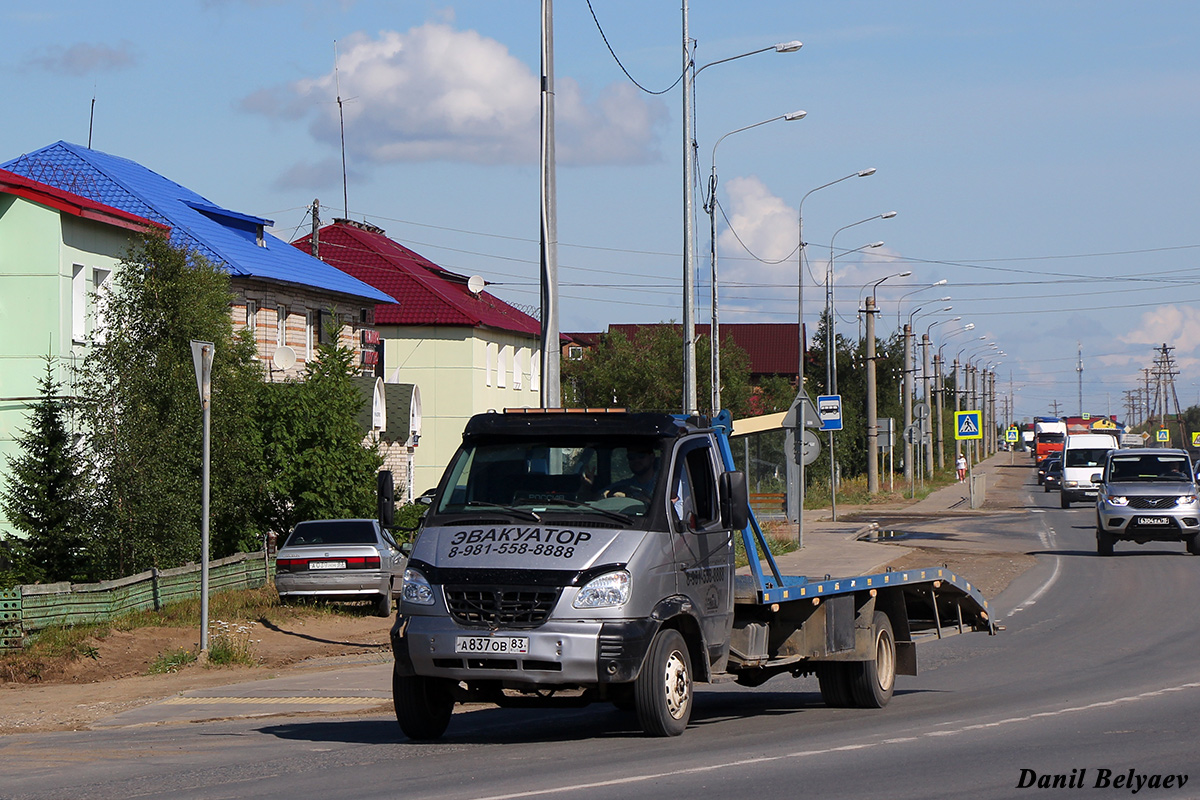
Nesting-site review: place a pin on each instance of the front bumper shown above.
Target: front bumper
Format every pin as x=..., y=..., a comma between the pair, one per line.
x=574, y=652
x=1136, y=525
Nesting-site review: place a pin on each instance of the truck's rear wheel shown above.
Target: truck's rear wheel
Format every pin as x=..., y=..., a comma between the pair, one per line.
x=423, y=705
x=1063, y=500
x=873, y=681
x=834, y=678
x=663, y=691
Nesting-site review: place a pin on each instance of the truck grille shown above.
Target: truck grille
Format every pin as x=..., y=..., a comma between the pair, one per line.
x=514, y=607
x=1152, y=502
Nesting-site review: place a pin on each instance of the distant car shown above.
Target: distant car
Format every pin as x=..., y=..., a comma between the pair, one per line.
x=1053, y=476
x=1041, y=468
x=1147, y=495
x=340, y=559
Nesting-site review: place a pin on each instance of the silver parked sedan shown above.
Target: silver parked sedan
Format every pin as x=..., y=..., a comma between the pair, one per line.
x=340, y=559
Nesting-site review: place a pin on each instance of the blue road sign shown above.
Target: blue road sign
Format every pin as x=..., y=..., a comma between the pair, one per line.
x=968, y=425
x=829, y=409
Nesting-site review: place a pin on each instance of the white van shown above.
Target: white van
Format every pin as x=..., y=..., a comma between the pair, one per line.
x=1083, y=457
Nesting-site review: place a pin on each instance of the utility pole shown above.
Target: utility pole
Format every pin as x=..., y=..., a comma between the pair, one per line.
x=551, y=388
x=939, y=383
x=908, y=404
x=314, y=240
x=689, y=239
x=1079, y=372
x=926, y=435
x=872, y=405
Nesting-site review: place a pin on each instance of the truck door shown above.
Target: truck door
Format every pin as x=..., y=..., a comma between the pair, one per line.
x=703, y=549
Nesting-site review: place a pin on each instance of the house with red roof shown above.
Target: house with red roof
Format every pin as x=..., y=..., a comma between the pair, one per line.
x=467, y=350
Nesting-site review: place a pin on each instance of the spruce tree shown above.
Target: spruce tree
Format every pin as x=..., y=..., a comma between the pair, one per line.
x=43, y=496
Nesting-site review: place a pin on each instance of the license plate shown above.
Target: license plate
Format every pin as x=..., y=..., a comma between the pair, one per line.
x=491, y=644
x=327, y=565
x=1153, y=520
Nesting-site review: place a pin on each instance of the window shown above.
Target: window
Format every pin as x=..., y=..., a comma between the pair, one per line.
x=490, y=365
x=78, y=303
x=518, y=360
x=308, y=335
x=502, y=368
x=575, y=353
x=535, y=371
x=694, y=488
x=281, y=326
x=252, y=319
x=102, y=286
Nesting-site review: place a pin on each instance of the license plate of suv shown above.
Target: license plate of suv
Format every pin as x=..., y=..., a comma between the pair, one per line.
x=1153, y=521
x=492, y=644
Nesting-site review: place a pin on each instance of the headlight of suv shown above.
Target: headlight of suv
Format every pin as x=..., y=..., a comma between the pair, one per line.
x=1115, y=500
x=416, y=589
x=606, y=591
x=1186, y=500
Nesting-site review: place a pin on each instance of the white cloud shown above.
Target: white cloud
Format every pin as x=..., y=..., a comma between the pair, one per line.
x=437, y=93
x=764, y=224
x=1177, y=326
x=84, y=59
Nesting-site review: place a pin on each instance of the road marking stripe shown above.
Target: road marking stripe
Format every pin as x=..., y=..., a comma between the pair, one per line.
x=325, y=701
x=657, y=776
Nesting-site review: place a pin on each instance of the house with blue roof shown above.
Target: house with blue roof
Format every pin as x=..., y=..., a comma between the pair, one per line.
x=289, y=300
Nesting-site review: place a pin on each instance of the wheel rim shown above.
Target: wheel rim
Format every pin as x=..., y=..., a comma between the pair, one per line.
x=677, y=685
x=885, y=667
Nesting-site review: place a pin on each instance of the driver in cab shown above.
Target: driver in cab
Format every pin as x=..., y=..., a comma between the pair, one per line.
x=643, y=463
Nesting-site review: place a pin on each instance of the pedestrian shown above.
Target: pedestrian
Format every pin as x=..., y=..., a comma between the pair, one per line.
x=961, y=465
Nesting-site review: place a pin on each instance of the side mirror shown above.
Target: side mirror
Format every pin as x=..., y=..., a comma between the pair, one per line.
x=735, y=501
x=1097, y=478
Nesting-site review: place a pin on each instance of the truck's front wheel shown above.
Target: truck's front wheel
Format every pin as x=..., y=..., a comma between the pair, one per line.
x=423, y=705
x=873, y=681
x=663, y=691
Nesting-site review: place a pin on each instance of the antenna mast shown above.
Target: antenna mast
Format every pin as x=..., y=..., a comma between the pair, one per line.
x=342, y=127
x=91, y=117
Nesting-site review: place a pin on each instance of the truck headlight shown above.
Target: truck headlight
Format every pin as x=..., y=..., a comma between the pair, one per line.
x=606, y=591
x=416, y=589
x=1072, y=484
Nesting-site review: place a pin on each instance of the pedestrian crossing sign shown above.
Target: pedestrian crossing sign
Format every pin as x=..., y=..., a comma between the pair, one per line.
x=1011, y=435
x=1196, y=440
x=968, y=425
x=1162, y=435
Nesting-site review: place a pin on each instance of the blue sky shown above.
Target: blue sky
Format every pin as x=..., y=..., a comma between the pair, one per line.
x=1040, y=156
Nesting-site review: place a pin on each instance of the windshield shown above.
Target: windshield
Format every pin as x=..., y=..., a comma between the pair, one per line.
x=338, y=531
x=1046, y=436
x=528, y=479
x=1085, y=457
x=1149, y=468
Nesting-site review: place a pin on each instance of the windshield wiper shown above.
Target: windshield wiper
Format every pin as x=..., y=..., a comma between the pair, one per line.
x=522, y=513
x=616, y=515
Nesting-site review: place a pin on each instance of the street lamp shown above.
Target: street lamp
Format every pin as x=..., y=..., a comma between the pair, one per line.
x=872, y=402
x=796, y=498
x=862, y=173
x=689, y=239
x=831, y=338
x=714, y=330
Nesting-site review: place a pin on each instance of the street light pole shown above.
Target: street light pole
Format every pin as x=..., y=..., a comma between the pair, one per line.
x=796, y=504
x=689, y=236
x=715, y=330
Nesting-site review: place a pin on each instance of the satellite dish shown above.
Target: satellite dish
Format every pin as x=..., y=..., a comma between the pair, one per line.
x=285, y=357
x=475, y=284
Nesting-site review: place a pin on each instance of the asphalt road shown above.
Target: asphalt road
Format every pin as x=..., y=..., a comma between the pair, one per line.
x=1095, y=675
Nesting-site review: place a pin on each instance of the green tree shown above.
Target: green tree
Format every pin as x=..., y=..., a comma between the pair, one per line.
x=145, y=418
x=43, y=496
x=316, y=463
x=645, y=372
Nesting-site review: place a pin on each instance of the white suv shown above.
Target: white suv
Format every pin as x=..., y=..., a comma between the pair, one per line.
x=1147, y=495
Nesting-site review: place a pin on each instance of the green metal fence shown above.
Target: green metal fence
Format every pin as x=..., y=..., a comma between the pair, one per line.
x=26, y=609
